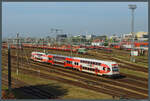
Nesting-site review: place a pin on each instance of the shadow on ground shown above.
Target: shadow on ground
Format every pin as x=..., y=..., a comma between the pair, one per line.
x=48, y=91
x=119, y=77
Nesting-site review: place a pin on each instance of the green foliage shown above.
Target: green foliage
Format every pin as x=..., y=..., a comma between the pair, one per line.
x=105, y=43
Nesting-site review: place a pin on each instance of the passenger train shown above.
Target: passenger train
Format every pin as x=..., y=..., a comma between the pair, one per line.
x=94, y=66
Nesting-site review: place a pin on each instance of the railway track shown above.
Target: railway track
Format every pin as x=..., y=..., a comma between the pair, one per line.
x=136, y=78
x=122, y=63
x=125, y=64
x=115, y=89
x=33, y=91
x=110, y=91
x=129, y=79
x=104, y=56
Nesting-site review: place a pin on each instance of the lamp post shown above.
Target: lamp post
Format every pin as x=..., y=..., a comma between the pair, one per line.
x=132, y=7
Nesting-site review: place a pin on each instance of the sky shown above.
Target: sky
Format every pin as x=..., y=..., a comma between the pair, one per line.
x=73, y=18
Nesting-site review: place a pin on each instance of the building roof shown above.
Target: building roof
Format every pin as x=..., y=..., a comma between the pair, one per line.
x=140, y=34
x=97, y=40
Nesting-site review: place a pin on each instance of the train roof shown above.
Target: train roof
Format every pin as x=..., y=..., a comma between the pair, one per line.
x=94, y=60
x=38, y=52
x=86, y=59
x=59, y=55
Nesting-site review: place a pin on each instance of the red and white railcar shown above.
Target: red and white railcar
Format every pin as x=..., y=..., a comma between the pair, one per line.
x=39, y=56
x=94, y=66
x=97, y=67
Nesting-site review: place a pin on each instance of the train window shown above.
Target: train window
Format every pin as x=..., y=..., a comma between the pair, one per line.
x=103, y=68
x=49, y=58
x=108, y=69
x=77, y=63
x=115, y=69
x=69, y=62
x=39, y=54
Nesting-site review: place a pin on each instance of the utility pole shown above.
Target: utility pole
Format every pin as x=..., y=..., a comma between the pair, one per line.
x=9, y=69
x=71, y=46
x=17, y=54
x=132, y=7
x=43, y=44
x=56, y=33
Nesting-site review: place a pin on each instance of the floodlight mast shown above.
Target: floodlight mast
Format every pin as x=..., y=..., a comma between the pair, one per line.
x=132, y=7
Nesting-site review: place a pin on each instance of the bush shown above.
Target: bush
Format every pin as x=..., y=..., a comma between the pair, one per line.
x=106, y=44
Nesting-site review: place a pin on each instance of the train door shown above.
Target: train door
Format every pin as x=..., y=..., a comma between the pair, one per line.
x=80, y=67
x=96, y=70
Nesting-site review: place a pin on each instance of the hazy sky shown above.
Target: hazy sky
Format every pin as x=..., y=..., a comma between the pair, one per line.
x=37, y=19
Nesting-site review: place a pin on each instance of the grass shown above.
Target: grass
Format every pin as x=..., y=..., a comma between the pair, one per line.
x=73, y=92
x=84, y=94
x=135, y=73
x=124, y=58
